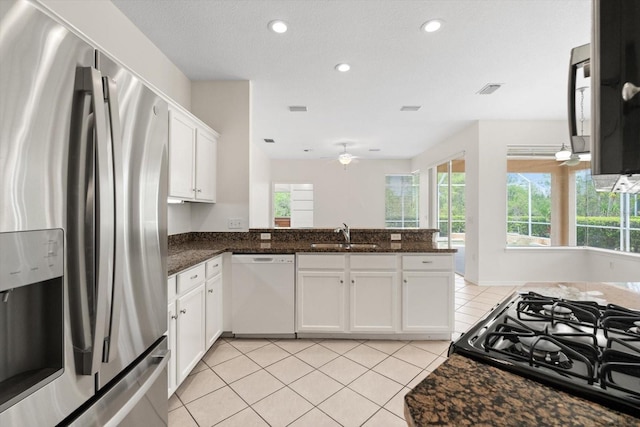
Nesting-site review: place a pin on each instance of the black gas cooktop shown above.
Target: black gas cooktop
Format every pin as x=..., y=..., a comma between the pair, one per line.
x=583, y=347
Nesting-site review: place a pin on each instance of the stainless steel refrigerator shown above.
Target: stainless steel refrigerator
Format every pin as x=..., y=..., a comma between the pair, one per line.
x=83, y=232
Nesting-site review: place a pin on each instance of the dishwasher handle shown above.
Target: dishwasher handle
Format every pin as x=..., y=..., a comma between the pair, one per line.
x=258, y=260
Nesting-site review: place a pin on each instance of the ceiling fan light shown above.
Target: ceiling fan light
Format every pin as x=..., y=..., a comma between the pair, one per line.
x=431, y=26
x=345, y=158
x=278, y=26
x=564, y=154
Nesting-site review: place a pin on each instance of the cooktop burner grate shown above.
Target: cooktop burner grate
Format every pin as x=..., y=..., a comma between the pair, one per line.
x=580, y=346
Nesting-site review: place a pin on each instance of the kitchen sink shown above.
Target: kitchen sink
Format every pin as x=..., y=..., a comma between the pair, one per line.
x=363, y=246
x=344, y=245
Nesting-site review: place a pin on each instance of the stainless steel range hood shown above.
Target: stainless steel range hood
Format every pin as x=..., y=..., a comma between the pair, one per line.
x=615, y=70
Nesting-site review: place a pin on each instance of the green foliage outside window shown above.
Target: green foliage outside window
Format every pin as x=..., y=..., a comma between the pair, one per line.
x=401, y=201
x=282, y=204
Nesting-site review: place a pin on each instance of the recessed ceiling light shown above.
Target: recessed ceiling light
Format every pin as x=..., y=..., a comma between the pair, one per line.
x=297, y=108
x=278, y=26
x=343, y=68
x=432, y=25
x=410, y=107
x=374, y=149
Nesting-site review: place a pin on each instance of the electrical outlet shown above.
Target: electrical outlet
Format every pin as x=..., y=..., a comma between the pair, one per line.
x=396, y=236
x=265, y=236
x=234, y=223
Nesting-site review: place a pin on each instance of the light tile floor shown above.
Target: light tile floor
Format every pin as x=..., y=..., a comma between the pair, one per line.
x=244, y=382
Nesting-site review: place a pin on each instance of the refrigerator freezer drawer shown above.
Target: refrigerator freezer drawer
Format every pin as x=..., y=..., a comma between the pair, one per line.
x=137, y=399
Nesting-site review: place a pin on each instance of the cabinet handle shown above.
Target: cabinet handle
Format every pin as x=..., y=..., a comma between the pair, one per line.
x=193, y=277
x=216, y=265
x=174, y=317
x=194, y=190
x=341, y=281
x=183, y=311
x=353, y=281
x=210, y=291
x=427, y=262
x=405, y=280
x=199, y=190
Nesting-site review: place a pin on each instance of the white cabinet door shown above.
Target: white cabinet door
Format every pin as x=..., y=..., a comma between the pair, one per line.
x=182, y=139
x=320, y=301
x=190, y=330
x=374, y=301
x=206, y=164
x=213, y=328
x=171, y=338
x=427, y=301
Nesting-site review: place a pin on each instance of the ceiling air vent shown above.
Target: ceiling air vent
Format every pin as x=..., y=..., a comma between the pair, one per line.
x=269, y=141
x=489, y=88
x=410, y=107
x=297, y=108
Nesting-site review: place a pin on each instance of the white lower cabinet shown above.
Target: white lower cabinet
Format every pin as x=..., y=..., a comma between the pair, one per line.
x=190, y=341
x=373, y=301
x=365, y=290
x=194, y=317
x=172, y=318
x=428, y=293
x=213, y=327
x=320, y=301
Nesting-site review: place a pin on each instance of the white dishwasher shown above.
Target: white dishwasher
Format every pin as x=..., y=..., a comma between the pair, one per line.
x=262, y=295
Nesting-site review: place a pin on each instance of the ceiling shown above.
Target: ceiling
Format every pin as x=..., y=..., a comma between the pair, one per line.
x=524, y=44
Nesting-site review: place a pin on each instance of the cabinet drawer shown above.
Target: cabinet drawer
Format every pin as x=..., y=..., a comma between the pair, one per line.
x=321, y=261
x=427, y=262
x=373, y=262
x=214, y=267
x=190, y=278
x=171, y=288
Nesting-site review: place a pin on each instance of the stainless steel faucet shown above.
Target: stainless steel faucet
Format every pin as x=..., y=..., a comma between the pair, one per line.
x=345, y=232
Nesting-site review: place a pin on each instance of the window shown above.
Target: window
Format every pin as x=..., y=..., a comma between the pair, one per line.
x=293, y=205
x=606, y=220
x=401, y=200
x=528, y=209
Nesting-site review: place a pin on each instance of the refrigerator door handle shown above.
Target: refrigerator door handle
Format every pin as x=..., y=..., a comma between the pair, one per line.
x=88, y=268
x=117, y=253
x=163, y=359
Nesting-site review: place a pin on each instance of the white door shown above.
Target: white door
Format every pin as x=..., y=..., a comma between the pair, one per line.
x=190, y=331
x=171, y=344
x=320, y=301
x=427, y=301
x=206, y=163
x=182, y=138
x=373, y=301
x=214, y=310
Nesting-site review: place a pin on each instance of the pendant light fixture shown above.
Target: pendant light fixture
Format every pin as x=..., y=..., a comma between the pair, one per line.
x=564, y=154
x=345, y=158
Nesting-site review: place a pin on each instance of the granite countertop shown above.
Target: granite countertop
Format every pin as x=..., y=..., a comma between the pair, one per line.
x=463, y=392
x=187, y=254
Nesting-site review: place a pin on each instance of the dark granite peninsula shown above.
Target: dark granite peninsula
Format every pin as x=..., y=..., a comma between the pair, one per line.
x=188, y=249
x=463, y=392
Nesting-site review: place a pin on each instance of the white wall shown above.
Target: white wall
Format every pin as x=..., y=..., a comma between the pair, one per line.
x=178, y=218
x=488, y=261
x=225, y=106
x=107, y=28
x=355, y=196
x=260, y=189
x=466, y=141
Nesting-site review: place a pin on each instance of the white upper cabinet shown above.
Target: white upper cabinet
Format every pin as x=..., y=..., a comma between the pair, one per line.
x=192, y=158
x=206, y=158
